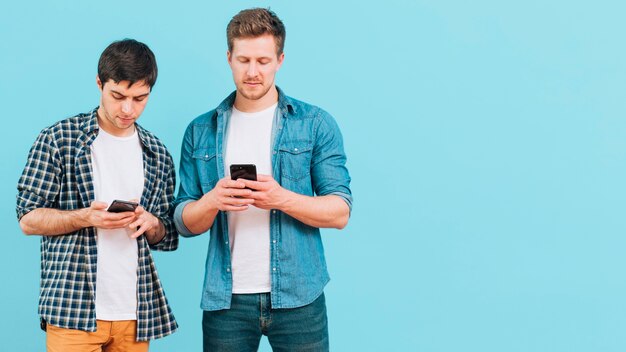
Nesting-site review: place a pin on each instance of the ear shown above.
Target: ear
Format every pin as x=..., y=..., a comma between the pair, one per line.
x=281, y=58
x=99, y=83
x=228, y=56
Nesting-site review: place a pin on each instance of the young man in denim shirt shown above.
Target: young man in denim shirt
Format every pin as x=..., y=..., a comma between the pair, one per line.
x=99, y=285
x=265, y=271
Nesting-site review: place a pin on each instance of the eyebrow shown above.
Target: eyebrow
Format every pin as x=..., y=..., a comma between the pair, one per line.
x=255, y=58
x=139, y=96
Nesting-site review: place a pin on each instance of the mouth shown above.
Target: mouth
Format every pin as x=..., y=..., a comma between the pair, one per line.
x=252, y=84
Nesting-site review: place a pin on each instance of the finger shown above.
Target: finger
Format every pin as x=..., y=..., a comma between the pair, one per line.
x=264, y=178
x=234, y=184
x=139, y=210
x=236, y=192
x=145, y=226
x=136, y=223
x=235, y=208
x=118, y=216
x=256, y=185
x=238, y=201
x=117, y=224
x=99, y=205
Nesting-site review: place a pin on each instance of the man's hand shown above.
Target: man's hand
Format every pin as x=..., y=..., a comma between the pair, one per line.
x=146, y=223
x=229, y=195
x=268, y=194
x=97, y=216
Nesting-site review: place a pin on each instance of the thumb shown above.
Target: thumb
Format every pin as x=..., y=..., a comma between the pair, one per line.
x=99, y=205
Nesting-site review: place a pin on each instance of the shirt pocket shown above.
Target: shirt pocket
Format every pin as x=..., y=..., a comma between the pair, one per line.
x=295, y=160
x=206, y=166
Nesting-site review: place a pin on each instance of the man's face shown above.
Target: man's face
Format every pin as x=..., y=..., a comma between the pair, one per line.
x=121, y=105
x=254, y=63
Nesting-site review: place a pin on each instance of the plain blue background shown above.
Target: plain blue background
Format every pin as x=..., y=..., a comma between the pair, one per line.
x=486, y=141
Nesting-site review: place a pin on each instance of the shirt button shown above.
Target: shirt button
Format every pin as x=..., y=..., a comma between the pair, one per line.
x=274, y=269
x=226, y=242
x=274, y=241
x=274, y=152
x=228, y=269
x=295, y=149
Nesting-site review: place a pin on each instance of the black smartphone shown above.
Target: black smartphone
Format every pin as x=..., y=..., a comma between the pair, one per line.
x=119, y=206
x=245, y=171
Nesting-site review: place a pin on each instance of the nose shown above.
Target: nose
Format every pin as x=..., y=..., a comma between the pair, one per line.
x=252, y=70
x=127, y=107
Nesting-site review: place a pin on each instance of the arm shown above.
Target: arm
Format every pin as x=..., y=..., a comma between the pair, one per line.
x=54, y=222
x=38, y=190
x=329, y=211
x=194, y=211
x=162, y=235
x=198, y=216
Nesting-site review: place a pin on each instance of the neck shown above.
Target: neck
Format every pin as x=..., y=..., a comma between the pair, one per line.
x=253, y=105
x=111, y=129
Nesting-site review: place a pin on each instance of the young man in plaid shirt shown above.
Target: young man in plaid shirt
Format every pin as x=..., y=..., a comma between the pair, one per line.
x=99, y=285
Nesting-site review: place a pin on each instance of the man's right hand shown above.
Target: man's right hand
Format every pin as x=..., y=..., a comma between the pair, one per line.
x=228, y=195
x=97, y=216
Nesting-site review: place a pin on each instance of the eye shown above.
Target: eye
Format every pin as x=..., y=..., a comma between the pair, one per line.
x=117, y=96
x=140, y=98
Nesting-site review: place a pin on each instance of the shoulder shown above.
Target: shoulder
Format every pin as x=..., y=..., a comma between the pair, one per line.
x=208, y=118
x=300, y=109
x=319, y=119
x=154, y=143
x=64, y=131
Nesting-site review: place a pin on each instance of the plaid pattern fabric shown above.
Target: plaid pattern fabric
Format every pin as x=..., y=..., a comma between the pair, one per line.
x=58, y=175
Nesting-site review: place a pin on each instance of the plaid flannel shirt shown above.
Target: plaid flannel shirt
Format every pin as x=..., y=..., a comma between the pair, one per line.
x=58, y=175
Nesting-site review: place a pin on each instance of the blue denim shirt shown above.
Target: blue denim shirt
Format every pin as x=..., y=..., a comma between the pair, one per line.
x=307, y=158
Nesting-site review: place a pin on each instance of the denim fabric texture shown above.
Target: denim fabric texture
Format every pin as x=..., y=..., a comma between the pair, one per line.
x=307, y=158
x=239, y=328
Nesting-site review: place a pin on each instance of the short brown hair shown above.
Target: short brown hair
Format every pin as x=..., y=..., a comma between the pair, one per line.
x=128, y=60
x=252, y=23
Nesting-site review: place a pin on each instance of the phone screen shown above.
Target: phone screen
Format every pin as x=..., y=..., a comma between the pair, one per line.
x=245, y=171
x=118, y=206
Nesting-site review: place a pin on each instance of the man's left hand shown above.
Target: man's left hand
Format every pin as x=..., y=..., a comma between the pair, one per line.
x=146, y=223
x=267, y=193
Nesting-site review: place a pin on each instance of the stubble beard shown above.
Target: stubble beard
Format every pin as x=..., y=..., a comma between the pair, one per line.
x=252, y=95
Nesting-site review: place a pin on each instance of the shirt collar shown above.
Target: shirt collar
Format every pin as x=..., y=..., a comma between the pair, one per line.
x=90, y=126
x=285, y=104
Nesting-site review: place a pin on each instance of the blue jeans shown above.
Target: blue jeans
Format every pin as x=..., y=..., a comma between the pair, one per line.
x=250, y=316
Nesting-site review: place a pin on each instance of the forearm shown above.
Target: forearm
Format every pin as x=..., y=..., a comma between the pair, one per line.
x=323, y=211
x=53, y=222
x=198, y=216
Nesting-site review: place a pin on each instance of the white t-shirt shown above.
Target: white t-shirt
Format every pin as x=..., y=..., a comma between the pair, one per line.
x=117, y=164
x=249, y=142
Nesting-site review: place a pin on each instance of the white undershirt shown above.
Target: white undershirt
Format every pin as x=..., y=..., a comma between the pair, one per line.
x=249, y=142
x=117, y=174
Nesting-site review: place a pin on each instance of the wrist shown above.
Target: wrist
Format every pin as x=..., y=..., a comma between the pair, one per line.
x=289, y=199
x=80, y=218
x=207, y=203
x=156, y=233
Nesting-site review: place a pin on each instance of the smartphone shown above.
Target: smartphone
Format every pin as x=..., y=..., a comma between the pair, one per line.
x=245, y=171
x=119, y=206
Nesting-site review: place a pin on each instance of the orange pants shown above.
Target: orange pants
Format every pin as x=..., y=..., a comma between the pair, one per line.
x=111, y=336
